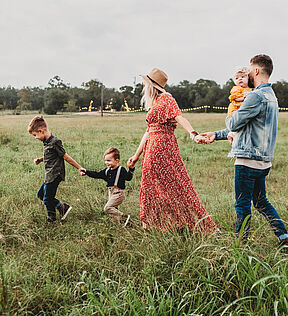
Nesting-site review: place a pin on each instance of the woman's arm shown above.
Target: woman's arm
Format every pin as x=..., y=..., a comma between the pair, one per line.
x=132, y=160
x=193, y=134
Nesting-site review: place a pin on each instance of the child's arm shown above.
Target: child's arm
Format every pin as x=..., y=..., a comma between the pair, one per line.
x=72, y=162
x=94, y=174
x=38, y=160
x=240, y=99
x=129, y=174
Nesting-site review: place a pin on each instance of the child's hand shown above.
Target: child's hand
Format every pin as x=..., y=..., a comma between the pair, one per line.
x=37, y=161
x=82, y=171
x=230, y=138
x=132, y=161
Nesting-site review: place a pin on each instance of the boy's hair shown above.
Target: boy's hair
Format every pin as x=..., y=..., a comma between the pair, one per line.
x=38, y=122
x=114, y=151
x=264, y=61
x=244, y=70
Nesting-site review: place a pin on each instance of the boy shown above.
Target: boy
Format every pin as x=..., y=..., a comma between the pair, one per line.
x=115, y=176
x=54, y=156
x=238, y=94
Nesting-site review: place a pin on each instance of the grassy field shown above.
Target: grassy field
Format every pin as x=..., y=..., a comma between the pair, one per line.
x=87, y=266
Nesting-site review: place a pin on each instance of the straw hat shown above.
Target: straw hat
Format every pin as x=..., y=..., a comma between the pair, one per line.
x=157, y=78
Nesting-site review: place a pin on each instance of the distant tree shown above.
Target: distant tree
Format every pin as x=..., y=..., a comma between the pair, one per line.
x=9, y=98
x=37, y=98
x=54, y=100
x=138, y=95
x=93, y=88
x=127, y=93
x=281, y=90
x=25, y=97
x=57, y=82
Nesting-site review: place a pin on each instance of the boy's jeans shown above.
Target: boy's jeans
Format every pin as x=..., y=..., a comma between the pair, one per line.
x=250, y=185
x=47, y=194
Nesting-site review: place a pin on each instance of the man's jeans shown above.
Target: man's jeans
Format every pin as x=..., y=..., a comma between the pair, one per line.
x=250, y=185
x=47, y=194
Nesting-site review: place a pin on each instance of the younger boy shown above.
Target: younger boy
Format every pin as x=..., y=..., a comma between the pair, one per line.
x=54, y=156
x=115, y=176
x=238, y=94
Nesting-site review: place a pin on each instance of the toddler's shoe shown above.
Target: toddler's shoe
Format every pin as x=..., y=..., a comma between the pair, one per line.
x=125, y=219
x=64, y=210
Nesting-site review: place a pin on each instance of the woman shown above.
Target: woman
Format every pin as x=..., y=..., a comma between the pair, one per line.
x=168, y=200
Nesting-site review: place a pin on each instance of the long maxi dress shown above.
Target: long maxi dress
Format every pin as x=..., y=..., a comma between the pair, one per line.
x=168, y=199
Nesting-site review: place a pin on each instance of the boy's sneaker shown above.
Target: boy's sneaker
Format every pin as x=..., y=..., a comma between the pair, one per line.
x=126, y=218
x=283, y=242
x=51, y=220
x=64, y=210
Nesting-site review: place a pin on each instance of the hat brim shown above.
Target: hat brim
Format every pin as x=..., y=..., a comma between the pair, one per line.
x=152, y=83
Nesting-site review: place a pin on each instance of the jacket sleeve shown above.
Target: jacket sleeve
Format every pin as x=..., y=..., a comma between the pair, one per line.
x=220, y=135
x=248, y=110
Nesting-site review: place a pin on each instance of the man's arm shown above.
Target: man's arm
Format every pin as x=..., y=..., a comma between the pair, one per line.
x=248, y=110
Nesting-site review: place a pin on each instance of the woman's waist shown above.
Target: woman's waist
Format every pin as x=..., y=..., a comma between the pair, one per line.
x=160, y=128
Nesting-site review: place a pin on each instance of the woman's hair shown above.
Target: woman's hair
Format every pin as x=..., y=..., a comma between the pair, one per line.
x=38, y=122
x=149, y=95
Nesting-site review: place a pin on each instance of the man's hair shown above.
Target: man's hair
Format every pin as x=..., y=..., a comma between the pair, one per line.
x=114, y=151
x=264, y=61
x=38, y=122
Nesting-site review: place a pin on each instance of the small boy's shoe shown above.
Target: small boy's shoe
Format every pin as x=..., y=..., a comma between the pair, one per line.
x=126, y=218
x=283, y=242
x=64, y=210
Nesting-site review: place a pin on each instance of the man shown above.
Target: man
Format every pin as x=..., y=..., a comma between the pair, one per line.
x=255, y=124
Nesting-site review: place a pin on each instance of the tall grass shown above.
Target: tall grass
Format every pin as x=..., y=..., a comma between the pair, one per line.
x=87, y=266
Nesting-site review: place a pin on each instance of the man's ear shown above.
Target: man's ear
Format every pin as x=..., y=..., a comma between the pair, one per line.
x=257, y=71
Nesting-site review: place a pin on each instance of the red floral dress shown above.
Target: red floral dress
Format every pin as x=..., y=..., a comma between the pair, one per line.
x=168, y=200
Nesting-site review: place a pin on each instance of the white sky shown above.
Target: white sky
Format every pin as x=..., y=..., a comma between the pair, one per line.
x=115, y=40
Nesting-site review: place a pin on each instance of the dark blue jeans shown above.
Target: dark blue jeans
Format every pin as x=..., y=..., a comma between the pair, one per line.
x=47, y=193
x=250, y=185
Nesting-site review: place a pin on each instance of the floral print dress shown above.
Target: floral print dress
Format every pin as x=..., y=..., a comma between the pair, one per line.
x=168, y=199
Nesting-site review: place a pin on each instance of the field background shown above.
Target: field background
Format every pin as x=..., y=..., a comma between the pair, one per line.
x=87, y=266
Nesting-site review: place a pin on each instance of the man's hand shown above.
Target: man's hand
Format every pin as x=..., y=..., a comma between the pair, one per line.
x=199, y=139
x=38, y=160
x=210, y=137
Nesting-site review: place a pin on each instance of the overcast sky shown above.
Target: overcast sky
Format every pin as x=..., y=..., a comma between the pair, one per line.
x=115, y=40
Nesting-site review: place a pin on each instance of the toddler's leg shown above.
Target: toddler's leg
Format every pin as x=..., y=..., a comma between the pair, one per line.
x=116, y=197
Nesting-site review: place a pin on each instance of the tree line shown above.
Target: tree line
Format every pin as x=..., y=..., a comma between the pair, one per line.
x=60, y=96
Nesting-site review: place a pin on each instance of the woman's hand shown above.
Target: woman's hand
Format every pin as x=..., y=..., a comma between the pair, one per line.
x=132, y=161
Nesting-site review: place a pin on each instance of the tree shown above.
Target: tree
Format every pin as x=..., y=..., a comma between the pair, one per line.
x=24, y=99
x=54, y=100
x=57, y=82
x=281, y=90
x=93, y=88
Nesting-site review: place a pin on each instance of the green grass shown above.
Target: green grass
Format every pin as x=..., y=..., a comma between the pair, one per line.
x=87, y=266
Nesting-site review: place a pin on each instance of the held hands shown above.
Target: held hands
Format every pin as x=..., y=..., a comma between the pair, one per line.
x=82, y=171
x=36, y=161
x=132, y=161
x=205, y=138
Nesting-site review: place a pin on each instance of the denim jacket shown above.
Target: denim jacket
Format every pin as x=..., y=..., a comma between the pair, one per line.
x=255, y=124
